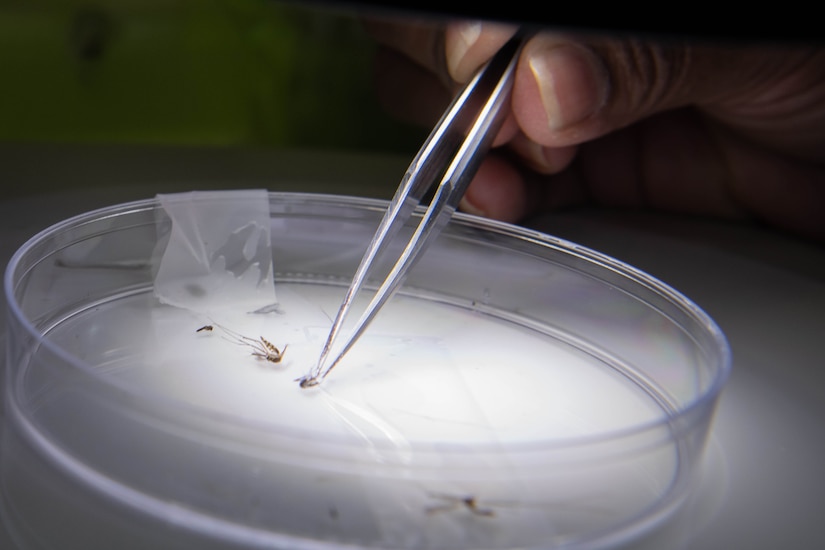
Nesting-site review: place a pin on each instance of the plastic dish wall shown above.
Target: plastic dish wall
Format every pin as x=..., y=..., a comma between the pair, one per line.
x=91, y=460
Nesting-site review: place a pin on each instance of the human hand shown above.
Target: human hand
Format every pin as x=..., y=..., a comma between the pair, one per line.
x=729, y=130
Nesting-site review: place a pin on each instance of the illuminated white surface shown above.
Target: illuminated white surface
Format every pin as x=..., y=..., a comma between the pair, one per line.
x=424, y=372
x=418, y=397
x=762, y=487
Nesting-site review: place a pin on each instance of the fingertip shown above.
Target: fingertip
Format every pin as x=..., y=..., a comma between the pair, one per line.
x=460, y=37
x=561, y=88
x=469, y=44
x=542, y=159
x=496, y=192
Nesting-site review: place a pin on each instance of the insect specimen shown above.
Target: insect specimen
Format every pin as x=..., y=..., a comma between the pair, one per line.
x=264, y=349
x=261, y=347
x=308, y=381
x=453, y=502
x=492, y=508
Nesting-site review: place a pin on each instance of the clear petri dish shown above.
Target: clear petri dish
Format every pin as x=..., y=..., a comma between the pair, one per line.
x=520, y=391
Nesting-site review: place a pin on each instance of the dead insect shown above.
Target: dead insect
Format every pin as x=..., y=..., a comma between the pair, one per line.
x=264, y=349
x=206, y=328
x=308, y=381
x=261, y=347
x=452, y=502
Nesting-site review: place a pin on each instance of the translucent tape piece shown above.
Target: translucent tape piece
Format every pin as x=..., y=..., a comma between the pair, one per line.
x=214, y=251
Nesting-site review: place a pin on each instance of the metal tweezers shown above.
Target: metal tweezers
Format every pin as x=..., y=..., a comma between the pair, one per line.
x=452, y=152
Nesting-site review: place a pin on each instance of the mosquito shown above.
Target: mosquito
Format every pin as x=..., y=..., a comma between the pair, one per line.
x=452, y=502
x=261, y=347
x=470, y=503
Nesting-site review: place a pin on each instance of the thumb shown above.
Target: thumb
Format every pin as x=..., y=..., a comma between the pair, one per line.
x=569, y=91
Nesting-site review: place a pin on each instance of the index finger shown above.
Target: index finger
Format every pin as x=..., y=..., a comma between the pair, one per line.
x=470, y=44
x=453, y=50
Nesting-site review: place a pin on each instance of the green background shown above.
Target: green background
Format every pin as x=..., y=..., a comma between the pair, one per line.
x=191, y=72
